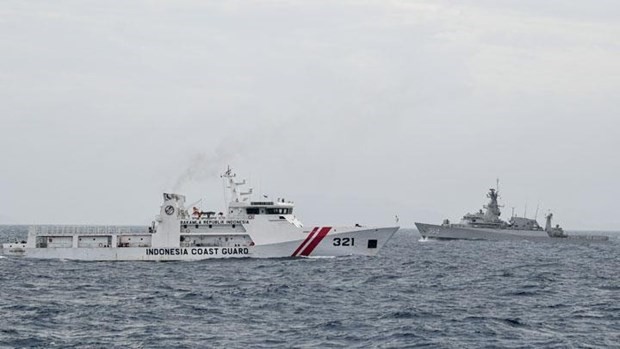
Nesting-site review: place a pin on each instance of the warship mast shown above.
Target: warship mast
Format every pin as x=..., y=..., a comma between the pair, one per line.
x=492, y=208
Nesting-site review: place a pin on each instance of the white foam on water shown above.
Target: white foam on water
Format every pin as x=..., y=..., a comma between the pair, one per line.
x=318, y=257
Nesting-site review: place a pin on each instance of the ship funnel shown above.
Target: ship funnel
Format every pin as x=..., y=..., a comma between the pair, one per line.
x=173, y=206
x=177, y=200
x=172, y=211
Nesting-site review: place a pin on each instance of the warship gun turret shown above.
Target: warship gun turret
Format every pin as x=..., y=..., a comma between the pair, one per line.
x=487, y=225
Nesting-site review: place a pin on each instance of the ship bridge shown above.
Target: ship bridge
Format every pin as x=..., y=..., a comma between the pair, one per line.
x=240, y=205
x=280, y=207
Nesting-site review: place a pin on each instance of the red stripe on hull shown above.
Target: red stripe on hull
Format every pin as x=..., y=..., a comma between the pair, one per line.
x=310, y=235
x=317, y=240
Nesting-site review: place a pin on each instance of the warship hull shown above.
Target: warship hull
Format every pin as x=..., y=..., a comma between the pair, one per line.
x=451, y=232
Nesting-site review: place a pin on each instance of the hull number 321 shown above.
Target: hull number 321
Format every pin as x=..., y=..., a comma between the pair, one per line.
x=344, y=241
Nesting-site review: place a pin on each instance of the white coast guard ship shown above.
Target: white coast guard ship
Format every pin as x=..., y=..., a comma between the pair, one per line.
x=486, y=225
x=264, y=229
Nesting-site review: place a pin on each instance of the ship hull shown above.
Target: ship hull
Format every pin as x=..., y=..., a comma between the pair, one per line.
x=441, y=232
x=364, y=242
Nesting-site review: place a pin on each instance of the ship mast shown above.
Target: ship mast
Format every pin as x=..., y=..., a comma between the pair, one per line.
x=492, y=208
x=236, y=195
x=548, y=225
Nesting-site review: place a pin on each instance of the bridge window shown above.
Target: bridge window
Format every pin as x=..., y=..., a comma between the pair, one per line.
x=269, y=210
x=278, y=210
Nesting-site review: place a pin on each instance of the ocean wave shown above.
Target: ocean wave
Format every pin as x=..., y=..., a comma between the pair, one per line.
x=446, y=294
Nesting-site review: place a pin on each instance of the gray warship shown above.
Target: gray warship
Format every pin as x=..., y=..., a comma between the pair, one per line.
x=487, y=225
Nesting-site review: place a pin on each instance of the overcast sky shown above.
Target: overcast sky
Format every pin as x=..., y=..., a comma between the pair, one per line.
x=356, y=110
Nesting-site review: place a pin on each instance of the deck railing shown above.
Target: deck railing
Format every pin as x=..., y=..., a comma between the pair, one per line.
x=86, y=229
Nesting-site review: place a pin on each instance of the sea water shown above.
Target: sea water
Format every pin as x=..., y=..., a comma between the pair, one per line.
x=438, y=294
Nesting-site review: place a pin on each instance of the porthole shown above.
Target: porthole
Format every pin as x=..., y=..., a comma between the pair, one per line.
x=196, y=226
x=210, y=226
x=233, y=226
x=185, y=226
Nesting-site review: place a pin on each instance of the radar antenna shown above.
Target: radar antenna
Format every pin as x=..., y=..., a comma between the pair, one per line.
x=228, y=173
